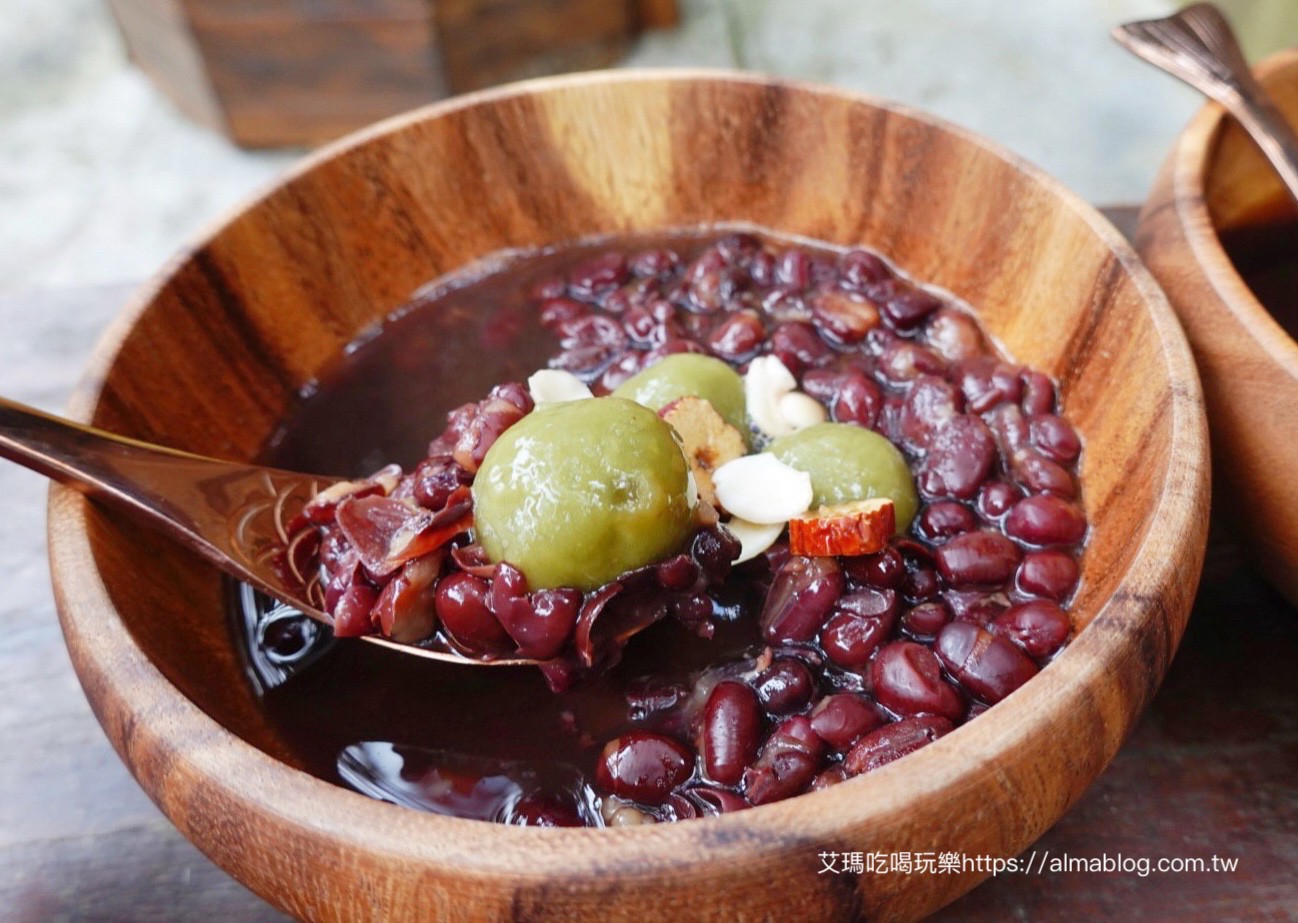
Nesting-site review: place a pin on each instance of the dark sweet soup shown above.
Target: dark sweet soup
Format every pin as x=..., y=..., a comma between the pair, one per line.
x=844, y=521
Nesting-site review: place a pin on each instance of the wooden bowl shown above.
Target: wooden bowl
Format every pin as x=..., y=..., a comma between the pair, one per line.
x=1215, y=180
x=211, y=357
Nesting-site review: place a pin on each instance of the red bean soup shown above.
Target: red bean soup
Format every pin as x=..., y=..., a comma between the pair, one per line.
x=756, y=681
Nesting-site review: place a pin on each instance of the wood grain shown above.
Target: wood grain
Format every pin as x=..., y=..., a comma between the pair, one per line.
x=211, y=355
x=1215, y=179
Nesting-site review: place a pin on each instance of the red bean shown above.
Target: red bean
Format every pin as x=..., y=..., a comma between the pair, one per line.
x=893, y=741
x=1044, y=519
x=540, y=623
x=977, y=559
x=705, y=801
x=619, y=370
x=544, y=810
x=955, y=335
x=995, y=499
x=786, y=686
x=731, y=731
x=931, y=403
x=902, y=362
x=975, y=605
x=738, y=337
x=802, y=593
x=987, y=382
x=849, y=640
x=556, y=312
x=988, y=666
x=842, y=718
x=946, y=519
x=787, y=764
x=1039, y=627
x=793, y=269
x=591, y=330
x=830, y=777
x=926, y=619
x=352, y=611
x=657, y=263
x=842, y=318
x=1041, y=475
x=798, y=347
x=604, y=272
x=1049, y=573
x=1038, y=393
x=907, y=680
x=463, y=606
x=908, y=307
x=643, y=766
x=960, y=454
x=860, y=269
x=1054, y=437
x=884, y=570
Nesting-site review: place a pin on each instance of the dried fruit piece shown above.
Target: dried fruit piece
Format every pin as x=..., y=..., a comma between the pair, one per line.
x=856, y=528
x=706, y=438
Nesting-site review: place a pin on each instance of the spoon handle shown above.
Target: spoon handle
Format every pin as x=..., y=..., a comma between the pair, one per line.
x=1198, y=46
x=232, y=514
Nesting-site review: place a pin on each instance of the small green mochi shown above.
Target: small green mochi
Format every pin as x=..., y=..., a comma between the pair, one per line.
x=690, y=375
x=848, y=462
x=576, y=493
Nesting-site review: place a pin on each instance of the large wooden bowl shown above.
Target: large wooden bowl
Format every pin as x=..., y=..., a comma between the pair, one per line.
x=212, y=354
x=1216, y=180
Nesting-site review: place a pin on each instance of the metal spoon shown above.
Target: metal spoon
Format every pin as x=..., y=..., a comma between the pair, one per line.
x=234, y=515
x=1198, y=46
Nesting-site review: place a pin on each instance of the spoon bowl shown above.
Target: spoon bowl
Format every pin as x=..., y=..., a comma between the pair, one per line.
x=237, y=516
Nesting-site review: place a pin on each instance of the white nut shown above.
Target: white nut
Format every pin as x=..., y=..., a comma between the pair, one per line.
x=801, y=410
x=555, y=386
x=754, y=537
x=765, y=382
x=762, y=489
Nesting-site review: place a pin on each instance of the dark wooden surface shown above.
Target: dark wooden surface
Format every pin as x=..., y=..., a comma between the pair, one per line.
x=1212, y=769
x=295, y=72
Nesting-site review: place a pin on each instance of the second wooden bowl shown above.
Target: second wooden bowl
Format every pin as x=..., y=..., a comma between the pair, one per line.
x=212, y=356
x=1214, y=182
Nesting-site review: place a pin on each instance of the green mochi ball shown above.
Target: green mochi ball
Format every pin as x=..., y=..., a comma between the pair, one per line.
x=690, y=375
x=848, y=462
x=576, y=493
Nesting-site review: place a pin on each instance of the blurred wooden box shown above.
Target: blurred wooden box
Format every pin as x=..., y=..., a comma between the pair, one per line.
x=291, y=72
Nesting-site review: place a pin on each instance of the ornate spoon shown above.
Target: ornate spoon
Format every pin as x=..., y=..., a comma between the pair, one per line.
x=234, y=515
x=1198, y=46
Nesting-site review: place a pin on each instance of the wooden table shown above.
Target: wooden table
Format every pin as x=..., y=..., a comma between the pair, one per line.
x=1212, y=769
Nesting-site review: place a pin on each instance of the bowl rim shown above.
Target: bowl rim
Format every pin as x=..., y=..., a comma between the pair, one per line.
x=1192, y=157
x=161, y=720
